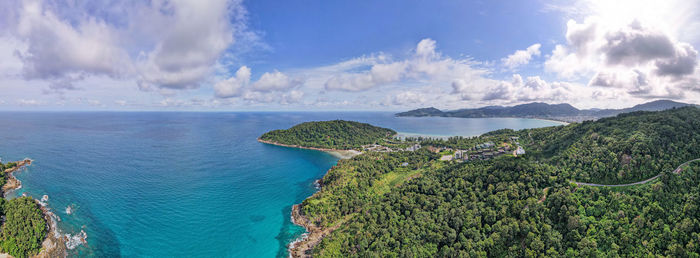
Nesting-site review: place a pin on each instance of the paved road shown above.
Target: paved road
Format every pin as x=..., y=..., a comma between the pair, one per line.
x=677, y=170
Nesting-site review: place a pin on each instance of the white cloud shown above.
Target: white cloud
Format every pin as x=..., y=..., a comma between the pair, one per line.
x=424, y=64
x=28, y=102
x=532, y=88
x=521, y=57
x=233, y=86
x=275, y=81
x=196, y=35
x=408, y=98
x=166, y=44
x=270, y=87
x=57, y=50
x=291, y=97
x=643, y=60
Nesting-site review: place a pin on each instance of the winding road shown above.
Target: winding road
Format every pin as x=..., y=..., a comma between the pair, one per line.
x=676, y=171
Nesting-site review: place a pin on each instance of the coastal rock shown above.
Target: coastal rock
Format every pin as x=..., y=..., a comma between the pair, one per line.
x=76, y=240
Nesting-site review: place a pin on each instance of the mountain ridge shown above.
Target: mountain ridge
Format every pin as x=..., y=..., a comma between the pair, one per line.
x=562, y=112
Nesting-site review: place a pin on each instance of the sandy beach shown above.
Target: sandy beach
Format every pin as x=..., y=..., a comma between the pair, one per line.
x=341, y=154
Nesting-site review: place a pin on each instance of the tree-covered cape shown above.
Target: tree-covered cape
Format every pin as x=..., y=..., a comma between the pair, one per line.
x=336, y=134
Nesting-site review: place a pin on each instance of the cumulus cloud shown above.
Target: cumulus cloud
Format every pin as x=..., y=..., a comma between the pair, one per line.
x=532, y=88
x=407, y=98
x=197, y=34
x=683, y=61
x=292, y=97
x=521, y=57
x=270, y=87
x=159, y=44
x=57, y=49
x=644, y=61
x=426, y=63
x=275, y=81
x=233, y=86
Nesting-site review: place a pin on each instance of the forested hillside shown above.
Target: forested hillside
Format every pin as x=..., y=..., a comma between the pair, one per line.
x=622, y=149
x=23, y=227
x=336, y=134
x=525, y=205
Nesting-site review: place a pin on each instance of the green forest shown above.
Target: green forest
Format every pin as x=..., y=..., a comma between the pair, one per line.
x=24, y=228
x=336, y=134
x=410, y=204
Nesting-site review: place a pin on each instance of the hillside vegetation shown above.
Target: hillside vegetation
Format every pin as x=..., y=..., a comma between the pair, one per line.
x=627, y=148
x=24, y=228
x=524, y=206
x=336, y=134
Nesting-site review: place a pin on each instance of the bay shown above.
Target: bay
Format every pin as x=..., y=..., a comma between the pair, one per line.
x=169, y=184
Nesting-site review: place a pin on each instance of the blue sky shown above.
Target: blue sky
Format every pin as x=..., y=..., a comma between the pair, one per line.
x=344, y=55
x=309, y=33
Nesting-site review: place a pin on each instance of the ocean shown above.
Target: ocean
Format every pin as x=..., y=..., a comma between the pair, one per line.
x=190, y=184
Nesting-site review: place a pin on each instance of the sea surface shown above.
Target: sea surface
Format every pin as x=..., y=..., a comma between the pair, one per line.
x=165, y=184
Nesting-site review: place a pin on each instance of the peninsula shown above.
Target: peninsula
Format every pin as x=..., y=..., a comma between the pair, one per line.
x=547, y=194
x=328, y=135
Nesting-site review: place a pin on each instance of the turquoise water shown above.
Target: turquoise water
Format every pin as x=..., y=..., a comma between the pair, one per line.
x=184, y=184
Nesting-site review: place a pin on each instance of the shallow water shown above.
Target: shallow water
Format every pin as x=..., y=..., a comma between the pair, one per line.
x=184, y=184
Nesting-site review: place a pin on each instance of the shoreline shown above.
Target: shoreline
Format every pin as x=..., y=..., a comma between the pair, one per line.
x=12, y=182
x=550, y=119
x=54, y=245
x=304, y=244
x=341, y=154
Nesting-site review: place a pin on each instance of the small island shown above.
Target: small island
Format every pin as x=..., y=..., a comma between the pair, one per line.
x=618, y=186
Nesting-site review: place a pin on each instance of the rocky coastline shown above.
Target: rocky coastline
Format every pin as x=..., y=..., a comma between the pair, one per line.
x=54, y=245
x=303, y=246
x=12, y=183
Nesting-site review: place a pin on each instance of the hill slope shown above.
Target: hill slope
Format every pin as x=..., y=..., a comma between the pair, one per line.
x=526, y=205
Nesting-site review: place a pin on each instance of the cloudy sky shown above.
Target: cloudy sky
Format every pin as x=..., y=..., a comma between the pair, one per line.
x=344, y=55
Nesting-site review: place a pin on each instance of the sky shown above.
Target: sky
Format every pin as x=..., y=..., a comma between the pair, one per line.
x=233, y=55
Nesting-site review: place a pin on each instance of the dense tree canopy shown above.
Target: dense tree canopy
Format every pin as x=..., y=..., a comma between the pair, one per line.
x=24, y=227
x=336, y=134
x=526, y=205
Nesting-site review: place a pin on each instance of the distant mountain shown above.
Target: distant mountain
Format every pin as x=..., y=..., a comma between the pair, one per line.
x=657, y=105
x=564, y=112
x=431, y=111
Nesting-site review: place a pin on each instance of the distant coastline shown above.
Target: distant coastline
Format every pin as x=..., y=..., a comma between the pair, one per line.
x=538, y=110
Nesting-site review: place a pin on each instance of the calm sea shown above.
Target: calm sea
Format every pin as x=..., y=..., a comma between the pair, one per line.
x=184, y=184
